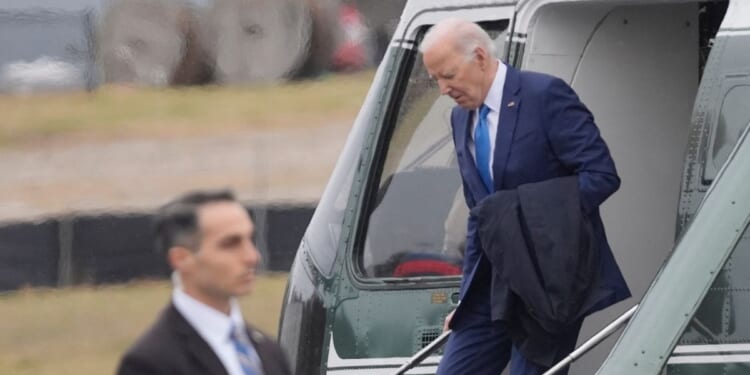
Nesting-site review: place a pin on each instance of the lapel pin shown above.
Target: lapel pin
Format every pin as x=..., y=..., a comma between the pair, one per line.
x=511, y=104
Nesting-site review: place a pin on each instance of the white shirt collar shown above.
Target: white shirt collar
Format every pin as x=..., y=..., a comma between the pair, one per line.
x=211, y=324
x=496, y=90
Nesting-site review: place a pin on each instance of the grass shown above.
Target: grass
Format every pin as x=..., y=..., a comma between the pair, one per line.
x=85, y=330
x=116, y=111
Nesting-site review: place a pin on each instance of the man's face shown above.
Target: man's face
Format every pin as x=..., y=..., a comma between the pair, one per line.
x=458, y=77
x=224, y=264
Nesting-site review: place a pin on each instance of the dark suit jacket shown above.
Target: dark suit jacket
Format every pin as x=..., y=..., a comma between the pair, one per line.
x=544, y=263
x=173, y=347
x=544, y=132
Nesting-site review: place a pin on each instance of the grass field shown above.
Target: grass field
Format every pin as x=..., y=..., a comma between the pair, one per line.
x=250, y=139
x=84, y=330
x=123, y=111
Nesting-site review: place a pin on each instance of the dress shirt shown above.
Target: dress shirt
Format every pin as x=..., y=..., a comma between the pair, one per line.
x=493, y=100
x=213, y=326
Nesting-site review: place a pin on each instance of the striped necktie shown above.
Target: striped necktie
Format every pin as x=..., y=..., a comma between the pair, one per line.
x=483, y=147
x=249, y=360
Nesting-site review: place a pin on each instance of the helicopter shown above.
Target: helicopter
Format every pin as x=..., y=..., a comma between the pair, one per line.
x=668, y=82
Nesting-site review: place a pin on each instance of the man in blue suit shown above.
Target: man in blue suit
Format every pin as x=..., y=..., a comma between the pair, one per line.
x=512, y=128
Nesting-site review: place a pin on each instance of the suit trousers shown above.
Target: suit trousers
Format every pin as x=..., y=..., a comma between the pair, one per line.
x=479, y=346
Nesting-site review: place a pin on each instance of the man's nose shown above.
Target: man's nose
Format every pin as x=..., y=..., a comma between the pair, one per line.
x=252, y=255
x=444, y=88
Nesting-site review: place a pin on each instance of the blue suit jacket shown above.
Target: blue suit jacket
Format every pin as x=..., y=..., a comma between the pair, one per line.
x=544, y=132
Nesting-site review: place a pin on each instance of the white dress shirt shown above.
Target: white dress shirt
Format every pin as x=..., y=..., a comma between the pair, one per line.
x=213, y=326
x=493, y=101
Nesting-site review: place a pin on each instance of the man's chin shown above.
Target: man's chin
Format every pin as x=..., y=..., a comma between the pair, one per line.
x=465, y=104
x=243, y=290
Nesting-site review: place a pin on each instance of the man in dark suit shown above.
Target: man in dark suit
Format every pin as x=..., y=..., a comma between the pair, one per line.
x=208, y=240
x=512, y=128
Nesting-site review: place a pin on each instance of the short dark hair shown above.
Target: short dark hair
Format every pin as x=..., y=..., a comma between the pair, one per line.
x=176, y=223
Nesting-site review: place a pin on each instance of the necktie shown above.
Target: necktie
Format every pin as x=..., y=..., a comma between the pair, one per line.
x=249, y=360
x=482, y=147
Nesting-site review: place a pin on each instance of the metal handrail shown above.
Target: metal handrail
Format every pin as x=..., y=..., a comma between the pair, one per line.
x=580, y=351
x=593, y=341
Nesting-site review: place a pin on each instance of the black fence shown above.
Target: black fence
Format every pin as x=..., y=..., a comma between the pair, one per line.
x=114, y=248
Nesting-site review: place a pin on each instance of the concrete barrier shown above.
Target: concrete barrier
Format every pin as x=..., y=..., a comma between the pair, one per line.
x=119, y=247
x=29, y=254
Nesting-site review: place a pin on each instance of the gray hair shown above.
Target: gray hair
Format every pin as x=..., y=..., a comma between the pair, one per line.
x=466, y=36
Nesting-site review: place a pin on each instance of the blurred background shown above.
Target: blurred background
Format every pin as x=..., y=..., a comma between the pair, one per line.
x=109, y=108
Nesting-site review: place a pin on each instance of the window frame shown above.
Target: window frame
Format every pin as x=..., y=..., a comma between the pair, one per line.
x=409, y=53
x=710, y=170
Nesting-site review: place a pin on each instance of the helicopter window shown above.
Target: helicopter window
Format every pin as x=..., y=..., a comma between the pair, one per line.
x=717, y=339
x=734, y=117
x=417, y=221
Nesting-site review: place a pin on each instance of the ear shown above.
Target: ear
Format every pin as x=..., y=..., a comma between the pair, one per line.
x=178, y=257
x=482, y=57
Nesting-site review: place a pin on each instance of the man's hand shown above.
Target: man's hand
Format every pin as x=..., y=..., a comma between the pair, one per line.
x=447, y=321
